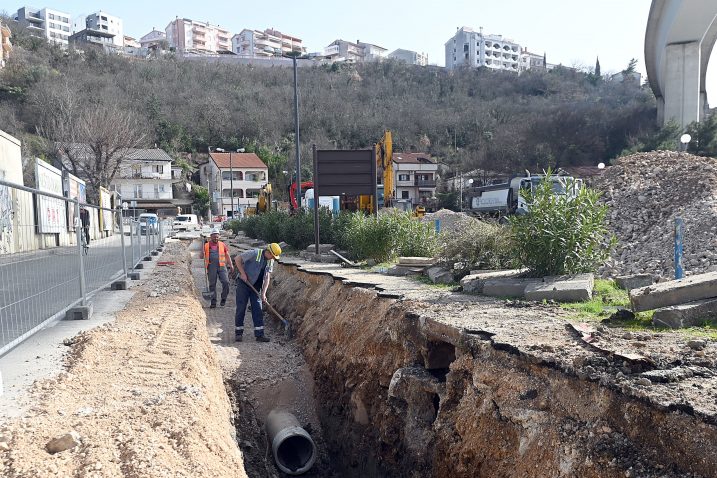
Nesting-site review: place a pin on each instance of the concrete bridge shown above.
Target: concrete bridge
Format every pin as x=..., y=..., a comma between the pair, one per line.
x=679, y=39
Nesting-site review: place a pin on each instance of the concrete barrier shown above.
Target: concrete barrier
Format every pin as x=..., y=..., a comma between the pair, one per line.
x=665, y=294
x=691, y=314
x=475, y=281
x=575, y=288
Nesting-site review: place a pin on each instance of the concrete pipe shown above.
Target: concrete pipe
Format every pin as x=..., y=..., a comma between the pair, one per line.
x=294, y=450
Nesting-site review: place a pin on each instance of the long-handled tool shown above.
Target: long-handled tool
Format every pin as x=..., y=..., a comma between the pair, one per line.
x=206, y=293
x=274, y=311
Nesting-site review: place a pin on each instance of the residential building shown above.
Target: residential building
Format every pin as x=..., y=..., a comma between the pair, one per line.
x=270, y=42
x=530, y=60
x=51, y=24
x=409, y=56
x=473, y=49
x=372, y=52
x=99, y=38
x=104, y=22
x=341, y=50
x=185, y=35
x=154, y=40
x=414, y=177
x=145, y=181
x=5, y=44
x=244, y=173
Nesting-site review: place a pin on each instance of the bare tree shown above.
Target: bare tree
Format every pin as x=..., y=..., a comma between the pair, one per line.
x=91, y=140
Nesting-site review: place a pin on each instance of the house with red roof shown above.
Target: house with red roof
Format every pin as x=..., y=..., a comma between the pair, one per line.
x=243, y=173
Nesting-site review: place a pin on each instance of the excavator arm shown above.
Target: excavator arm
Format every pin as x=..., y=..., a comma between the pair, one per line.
x=384, y=160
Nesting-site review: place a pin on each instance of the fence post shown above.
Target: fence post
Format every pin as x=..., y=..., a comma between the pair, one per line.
x=438, y=226
x=79, y=231
x=147, y=233
x=679, y=234
x=124, y=253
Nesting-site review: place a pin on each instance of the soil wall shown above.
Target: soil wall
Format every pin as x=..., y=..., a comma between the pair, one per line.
x=402, y=395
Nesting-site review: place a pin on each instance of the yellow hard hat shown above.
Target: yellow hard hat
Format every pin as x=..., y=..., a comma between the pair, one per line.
x=275, y=249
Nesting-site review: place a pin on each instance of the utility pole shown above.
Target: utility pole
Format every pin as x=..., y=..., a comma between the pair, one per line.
x=296, y=134
x=461, y=195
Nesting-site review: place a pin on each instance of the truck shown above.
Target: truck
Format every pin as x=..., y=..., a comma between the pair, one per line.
x=505, y=199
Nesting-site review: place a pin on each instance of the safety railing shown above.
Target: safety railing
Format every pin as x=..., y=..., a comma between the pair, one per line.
x=55, y=253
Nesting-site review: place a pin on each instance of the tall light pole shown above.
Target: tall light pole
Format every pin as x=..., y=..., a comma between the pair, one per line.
x=294, y=56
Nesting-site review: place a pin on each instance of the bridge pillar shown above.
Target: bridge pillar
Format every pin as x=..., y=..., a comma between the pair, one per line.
x=683, y=101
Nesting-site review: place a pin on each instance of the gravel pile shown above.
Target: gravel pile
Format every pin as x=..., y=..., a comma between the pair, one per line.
x=450, y=220
x=645, y=193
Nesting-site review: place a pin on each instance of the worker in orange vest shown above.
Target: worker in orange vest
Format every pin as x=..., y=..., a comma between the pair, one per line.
x=216, y=262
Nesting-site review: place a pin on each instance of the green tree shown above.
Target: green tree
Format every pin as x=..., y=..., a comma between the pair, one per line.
x=562, y=233
x=201, y=199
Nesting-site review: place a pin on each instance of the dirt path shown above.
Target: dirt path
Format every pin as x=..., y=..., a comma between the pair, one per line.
x=143, y=395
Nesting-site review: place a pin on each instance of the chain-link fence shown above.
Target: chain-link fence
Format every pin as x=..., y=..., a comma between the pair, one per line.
x=55, y=252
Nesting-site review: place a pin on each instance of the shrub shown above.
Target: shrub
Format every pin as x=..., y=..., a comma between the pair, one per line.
x=561, y=234
x=477, y=244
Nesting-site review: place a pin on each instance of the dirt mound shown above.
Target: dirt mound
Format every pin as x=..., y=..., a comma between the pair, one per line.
x=142, y=396
x=450, y=220
x=645, y=193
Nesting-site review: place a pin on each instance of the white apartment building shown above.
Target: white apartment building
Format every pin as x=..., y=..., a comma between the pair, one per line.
x=409, y=56
x=245, y=173
x=270, y=42
x=473, y=49
x=185, y=35
x=372, y=52
x=54, y=25
x=145, y=180
x=104, y=22
x=414, y=177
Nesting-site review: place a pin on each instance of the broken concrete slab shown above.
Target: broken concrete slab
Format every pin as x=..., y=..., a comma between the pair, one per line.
x=323, y=248
x=416, y=261
x=634, y=281
x=681, y=291
x=690, y=314
x=508, y=286
x=474, y=282
x=438, y=275
x=575, y=288
x=400, y=271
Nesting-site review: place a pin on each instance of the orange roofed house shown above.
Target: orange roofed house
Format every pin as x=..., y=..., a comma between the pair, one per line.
x=415, y=178
x=245, y=173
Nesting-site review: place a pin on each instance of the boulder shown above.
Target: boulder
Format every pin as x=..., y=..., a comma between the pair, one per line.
x=63, y=442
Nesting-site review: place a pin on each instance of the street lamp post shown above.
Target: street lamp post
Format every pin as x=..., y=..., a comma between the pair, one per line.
x=296, y=56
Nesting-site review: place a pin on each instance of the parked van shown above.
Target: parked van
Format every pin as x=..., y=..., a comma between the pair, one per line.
x=148, y=220
x=186, y=222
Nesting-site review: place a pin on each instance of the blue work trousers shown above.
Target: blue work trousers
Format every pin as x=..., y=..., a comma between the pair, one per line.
x=244, y=294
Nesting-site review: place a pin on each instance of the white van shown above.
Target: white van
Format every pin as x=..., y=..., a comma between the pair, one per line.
x=148, y=221
x=186, y=222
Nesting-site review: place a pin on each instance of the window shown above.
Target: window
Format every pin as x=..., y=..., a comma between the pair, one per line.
x=227, y=175
x=404, y=195
x=252, y=193
x=138, y=191
x=65, y=20
x=404, y=177
x=158, y=168
x=227, y=193
x=255, y=176
x=136, y=171
x=52, y=16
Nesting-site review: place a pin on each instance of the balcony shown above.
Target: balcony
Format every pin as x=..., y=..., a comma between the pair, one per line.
x=425, y=183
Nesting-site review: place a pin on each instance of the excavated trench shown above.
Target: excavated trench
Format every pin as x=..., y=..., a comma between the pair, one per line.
x=400, y=394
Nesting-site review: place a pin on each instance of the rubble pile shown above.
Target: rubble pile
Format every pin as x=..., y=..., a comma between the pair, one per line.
x=450, y=220
x=645, y=193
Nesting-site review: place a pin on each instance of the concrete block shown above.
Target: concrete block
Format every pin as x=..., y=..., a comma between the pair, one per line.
x=439, y=275
x=416, y=261
x=665, y=294
x=323, y=248
x=507, y=286
x=147, y=258
x=119, y=285
x=690, y=314
x=160, y=249
x=139, y=266
x=475, y=281
x=634, y=281
x=328, y=258
x=133, y=275
x=400, y=271
x=81, y=312
x=154, y=253
x=575, y=288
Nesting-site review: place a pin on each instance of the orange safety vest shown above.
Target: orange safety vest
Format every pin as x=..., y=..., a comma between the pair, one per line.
x=223, y=254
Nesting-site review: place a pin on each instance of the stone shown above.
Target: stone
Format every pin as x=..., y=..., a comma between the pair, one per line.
x=475, y=281
x=634, y=281
x=508, y=286
x=439, y=275
x=416, y=261
x=577, y=288
x=697, y=344
x=4, y=446
x=690, y=314
x=400, y=271
x=681, y=291
x=645, y=382
x=63, y=442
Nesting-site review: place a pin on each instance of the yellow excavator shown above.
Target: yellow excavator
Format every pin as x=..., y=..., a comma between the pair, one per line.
x=384, y=160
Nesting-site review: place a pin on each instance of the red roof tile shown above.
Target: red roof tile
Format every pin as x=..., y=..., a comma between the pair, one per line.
x=238, y=160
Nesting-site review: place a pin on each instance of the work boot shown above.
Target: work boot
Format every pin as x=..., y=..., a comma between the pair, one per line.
x=223, y=302
x=213, y=305
x=263, y=339
x=238, y=338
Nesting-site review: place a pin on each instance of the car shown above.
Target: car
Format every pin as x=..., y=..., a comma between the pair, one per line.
x=186, y=222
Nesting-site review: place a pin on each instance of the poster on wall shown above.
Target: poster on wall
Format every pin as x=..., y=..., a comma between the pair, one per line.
x=105, y=212
x=75, y=188
x=6, y=216
x=51, y=212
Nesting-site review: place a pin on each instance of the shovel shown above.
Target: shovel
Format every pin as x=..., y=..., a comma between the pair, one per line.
x=206, y=293
x=287, y=326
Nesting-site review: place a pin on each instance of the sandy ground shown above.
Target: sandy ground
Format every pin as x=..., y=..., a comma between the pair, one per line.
x=143, y=396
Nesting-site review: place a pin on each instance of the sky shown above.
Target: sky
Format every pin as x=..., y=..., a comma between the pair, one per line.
x=569, y=32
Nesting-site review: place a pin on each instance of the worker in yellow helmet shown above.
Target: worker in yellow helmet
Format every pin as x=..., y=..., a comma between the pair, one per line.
x=254, y=267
